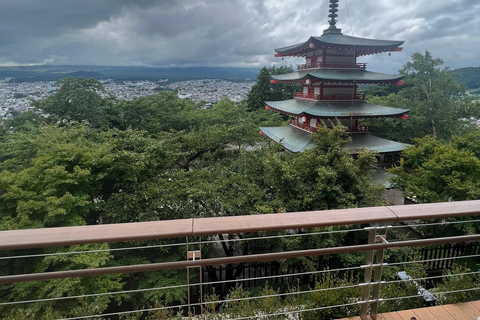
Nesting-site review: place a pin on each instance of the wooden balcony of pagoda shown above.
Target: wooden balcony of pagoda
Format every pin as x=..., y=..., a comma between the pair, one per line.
x=332, y=65
x=302, y=126
x=329, y=97
x=306, y=127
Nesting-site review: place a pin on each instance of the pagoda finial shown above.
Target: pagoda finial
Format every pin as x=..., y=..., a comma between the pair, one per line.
x=333, y=14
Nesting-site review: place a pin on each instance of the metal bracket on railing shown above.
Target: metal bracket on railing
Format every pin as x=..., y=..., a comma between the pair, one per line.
x=375, y=269
x=194, y=255
x=369, y=301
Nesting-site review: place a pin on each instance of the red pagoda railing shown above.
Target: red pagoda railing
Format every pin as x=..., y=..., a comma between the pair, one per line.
x=358, y=129
x=312, y=96
x=338, y=65
x=343, y=97
x=305, y=126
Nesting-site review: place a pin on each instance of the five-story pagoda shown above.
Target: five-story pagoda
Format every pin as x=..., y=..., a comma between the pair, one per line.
x=330, y=78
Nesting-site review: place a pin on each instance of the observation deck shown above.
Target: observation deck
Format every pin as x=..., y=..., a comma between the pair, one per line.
x=361, y=296
x=459, y=311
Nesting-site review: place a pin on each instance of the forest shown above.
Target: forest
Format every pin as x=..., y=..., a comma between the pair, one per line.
x=83, y=157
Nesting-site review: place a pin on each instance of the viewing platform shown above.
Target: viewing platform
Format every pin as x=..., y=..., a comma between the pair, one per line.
x=210, y=278
x=459, y=311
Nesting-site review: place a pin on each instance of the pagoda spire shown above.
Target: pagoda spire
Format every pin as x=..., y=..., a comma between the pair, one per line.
x=333, y=14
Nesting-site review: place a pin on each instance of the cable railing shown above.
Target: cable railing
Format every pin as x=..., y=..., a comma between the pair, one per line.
x=287, y=276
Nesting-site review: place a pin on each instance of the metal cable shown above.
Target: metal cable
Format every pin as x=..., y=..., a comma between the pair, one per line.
x=431, y=260
x=434, y=293
x=281, y=294
x=283, y=275
x=300, y=311
x=173, y=287
x=92, y=295
x=198, y=304
x=130, y=312
x=178, y=244
x=283, y=236
x=434, y=277
x=433, y=224
x=92, y=251
x=349, y=21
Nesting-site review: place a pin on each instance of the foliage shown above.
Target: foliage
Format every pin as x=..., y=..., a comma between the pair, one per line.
x=459, y=280
x=394, y=289
x=263, y=90
x=324, y=177
x=241, y=302
x=77, y=100
x=157, y=113
x=469, y=76
x=382, y=90
x=58, y=288
x=95, y=160
x=435, y=100
x=439, y=172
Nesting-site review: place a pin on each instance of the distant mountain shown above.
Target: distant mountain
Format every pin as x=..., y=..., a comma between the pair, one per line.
x=469, y=76
x=54, y=73
x=85, y=74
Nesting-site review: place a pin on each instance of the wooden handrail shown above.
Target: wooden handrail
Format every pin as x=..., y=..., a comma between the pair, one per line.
x=230, y=260
x=65, y=236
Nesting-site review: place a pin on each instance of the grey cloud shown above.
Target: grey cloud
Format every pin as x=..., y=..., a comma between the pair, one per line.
x=225, y=32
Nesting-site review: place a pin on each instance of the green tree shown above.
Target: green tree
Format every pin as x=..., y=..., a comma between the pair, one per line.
x=324, y=177
x=77, y=100
x=437, y=172
x=156, y=113
x=264, y=90
x=434, y=98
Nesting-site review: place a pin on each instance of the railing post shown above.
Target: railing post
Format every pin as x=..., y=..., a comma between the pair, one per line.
x=368, y=275
x=195, y=255
x=376, y=269
x=377, y=278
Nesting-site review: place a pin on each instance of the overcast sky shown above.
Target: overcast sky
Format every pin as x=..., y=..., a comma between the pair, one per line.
x=240, y=33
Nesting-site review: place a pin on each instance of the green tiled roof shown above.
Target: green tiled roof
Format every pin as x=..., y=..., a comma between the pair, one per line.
x=365, y=141
x=297, y=140
x=336, y=109
x=333, y=39
x=360, y=76
x=291, y=138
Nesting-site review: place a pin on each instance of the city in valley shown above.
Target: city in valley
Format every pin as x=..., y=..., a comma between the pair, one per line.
x=17, y=97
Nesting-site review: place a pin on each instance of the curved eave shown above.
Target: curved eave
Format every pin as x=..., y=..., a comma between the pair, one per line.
x=362, y=46
x=296, y=140
x=292, y=139
x=364, y=141
x=340, y=76
x=337, y=109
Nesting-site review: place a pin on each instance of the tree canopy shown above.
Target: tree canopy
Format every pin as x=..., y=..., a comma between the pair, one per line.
x=435, y=100
x=436, y=171
x=83, y=157
x=264, y=90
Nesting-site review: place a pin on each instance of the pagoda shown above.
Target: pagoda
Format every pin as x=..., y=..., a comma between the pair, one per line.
x=330, y=78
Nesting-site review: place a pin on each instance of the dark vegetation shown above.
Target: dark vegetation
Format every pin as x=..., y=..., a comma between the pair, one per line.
x=55, y=73
x=469, y=76
x=83, y=157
